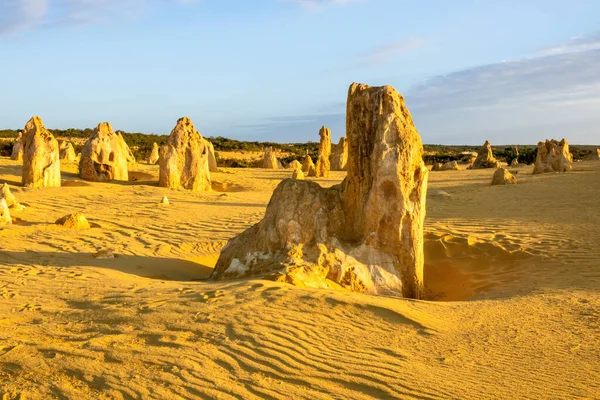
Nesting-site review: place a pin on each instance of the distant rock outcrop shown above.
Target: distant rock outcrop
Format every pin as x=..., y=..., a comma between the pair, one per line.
x=41, y=161
x=503, y=177
x=269, y=160
x=104, y=156
x=323, y=166
x=366, y=234
x=308, y=167
x=339, y=158
x=184, y=160
x=437, y=166
x=553, y=156
x=5, y=218
x=74, y=221
x=295, y=165
x=17, y=150
x=485, y=158
x=593, y=156
x=153, y=159
x=66, y=151
x=212, y=159
x=298, y=174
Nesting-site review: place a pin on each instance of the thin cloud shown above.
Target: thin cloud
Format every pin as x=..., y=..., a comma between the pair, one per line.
x=22, y=15
x=574, y=45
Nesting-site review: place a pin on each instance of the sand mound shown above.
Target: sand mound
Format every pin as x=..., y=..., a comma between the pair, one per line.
x=73, y=221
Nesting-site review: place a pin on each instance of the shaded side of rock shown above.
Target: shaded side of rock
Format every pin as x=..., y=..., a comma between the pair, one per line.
x=184, y=160
x=553, y=156
x=308, y=167
x=41, y=160
x=364, y=235
x=104, y=156
x=323, y=165
x=593, y=156
x=503, y=177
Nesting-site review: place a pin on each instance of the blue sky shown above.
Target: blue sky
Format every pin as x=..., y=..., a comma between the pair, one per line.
x=505, y=70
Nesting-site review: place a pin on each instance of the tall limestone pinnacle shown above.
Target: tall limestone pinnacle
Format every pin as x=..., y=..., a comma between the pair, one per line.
x=323, y=165
x=41, y=158
x=104, y=156
x=364, y=235
x=183, y=162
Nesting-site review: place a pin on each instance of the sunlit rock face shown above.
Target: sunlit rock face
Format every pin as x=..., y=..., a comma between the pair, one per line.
x=503, y=177
x=104, y=156
x=41, y=158
x=269, y=160
x=323, y=165
x=365, y=234
x=184, y=160
x=485, y=158
x=553, y=156
x=17, y=150
x=339, y=158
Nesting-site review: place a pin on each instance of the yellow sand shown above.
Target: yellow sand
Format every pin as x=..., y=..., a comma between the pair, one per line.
x=513, y=278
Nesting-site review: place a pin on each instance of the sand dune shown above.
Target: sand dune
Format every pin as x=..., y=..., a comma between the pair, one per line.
x=512, y=276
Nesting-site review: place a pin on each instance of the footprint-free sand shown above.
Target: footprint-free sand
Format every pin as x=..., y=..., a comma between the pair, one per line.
x=512, y=309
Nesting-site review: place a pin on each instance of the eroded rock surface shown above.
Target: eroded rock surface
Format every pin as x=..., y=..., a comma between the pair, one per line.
x=339, y=158
x=73, y=221
x=593, y=156
x=104, y=156
x=66, y=151
x=365, y=234
x=553, y=156
x=5, y=218
x=323, y=165
x=41, y=159
x=269, y=160
x=295, y=165
x=17, y=150
x=503, y=177
x=11, y=200
x=298, y=174
x=153, y=159
x=485, y=158
x=184, y=160
x=212, y=159
x=308, y=167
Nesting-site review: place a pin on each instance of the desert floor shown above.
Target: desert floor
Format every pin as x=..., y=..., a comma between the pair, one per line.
x=512, y=275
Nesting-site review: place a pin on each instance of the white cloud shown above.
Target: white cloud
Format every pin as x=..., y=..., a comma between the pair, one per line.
x=574, y=45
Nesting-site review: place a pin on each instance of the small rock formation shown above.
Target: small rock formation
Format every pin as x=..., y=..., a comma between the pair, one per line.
x=437, y=166
x=153, y=159
x=11, y=200
x=295, y=165
x=67, y=152
x=5, y=218
x=184, y=160
x=365, y=234
x=17, y=151
x=212, y=160
x=73, y=221
x=514, y=163
x=451, y=166
x=485, y=158
x=308, y=167
x=41, y=161
x=298, y=174
x=269, y=160
x=104, y=254
x=339, y=158
x=593, y=156
x=503, y=177
x=553, y=156
x=164, y=201
x=104, y=156
x=323, y=166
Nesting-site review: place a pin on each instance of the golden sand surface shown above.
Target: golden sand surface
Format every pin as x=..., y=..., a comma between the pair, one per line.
x=512, y=276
